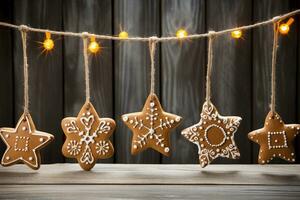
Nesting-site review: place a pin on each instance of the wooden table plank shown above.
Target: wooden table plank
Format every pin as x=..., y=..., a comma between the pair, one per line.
x=153, y=174
x=148, y=192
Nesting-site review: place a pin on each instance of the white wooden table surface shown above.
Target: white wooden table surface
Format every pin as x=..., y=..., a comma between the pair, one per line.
x=127, y=181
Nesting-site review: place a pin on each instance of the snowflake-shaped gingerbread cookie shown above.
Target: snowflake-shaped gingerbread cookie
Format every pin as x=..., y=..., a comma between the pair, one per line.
x=214, y=135
x=87, y=137
x=151, y=127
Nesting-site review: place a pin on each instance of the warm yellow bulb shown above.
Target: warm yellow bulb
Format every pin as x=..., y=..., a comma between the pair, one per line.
x=236, y=34
x=181, y=33
x=284, y=29
x=123, y=35
x=94, y=47
x=48, y=44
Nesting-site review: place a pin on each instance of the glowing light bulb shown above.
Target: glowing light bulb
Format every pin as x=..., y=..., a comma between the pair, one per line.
x=285, y=27
x=181, y=33
x=94, y=47
x=123, y=35
x=48, y=43
x=236, y=34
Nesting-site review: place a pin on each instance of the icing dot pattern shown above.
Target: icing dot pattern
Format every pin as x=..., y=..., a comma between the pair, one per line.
x=276, y=139
x=213, y=135
x=151, y=127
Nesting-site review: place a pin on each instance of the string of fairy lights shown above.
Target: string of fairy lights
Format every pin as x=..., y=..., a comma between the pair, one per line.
x=95, y=46
x=181, y=34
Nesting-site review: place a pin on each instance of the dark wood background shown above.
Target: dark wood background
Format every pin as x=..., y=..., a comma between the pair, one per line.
x=120, y=74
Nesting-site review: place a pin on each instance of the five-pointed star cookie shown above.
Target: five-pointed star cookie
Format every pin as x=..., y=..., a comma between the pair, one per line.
x=23, y=143
x=275, y=139
x=151, y=127
x=87, y=137
x=214, y=135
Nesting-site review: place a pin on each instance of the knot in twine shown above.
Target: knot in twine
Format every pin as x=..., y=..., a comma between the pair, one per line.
x=23, y=28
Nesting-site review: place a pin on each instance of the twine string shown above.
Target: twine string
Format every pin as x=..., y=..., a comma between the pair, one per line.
x=273, y=73
x=152, y=48
x=86, y=66
x=23, y=30
x=160, y=39
x=209, y=65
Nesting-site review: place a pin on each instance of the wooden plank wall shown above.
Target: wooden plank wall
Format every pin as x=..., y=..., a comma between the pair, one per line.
x=120, y=74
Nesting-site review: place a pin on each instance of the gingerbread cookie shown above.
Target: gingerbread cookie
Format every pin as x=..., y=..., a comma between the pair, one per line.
x=275, y=139
x=151, y=127
x=214, y=135
x=23, y=143
x=87, y=137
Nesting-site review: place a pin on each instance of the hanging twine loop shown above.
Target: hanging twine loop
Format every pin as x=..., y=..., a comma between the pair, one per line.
x=211, y=37
x=152, y=47
x=23, y=30
x=86, y=66
x=273, y=73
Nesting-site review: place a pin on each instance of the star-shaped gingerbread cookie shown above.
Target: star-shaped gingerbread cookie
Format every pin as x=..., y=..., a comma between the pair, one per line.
x=87, y=137
x=151, y=127
x=23, y=143
x=214, y=135
x=276, y=139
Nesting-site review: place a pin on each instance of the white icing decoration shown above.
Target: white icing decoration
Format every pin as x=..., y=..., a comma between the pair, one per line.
x=231, y=125
x=72, y=127
x=125, y=118
x=102, y=147
x=87, y=137
x=87, y=156
x=104, y=127
x=220, y=128
x=73, y=148
x=152, y=131
x=280, y=133
x=87, y=121
x=167, y=149
x=17, y=143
